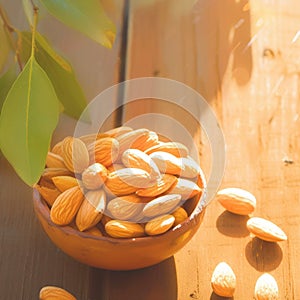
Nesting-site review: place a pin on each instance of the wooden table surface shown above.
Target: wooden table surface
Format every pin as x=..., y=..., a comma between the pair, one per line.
x=243, y=57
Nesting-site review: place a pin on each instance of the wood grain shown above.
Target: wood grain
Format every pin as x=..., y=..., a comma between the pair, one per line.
x=243, y=57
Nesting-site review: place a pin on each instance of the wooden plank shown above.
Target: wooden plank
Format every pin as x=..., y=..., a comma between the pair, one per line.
x=243, y=57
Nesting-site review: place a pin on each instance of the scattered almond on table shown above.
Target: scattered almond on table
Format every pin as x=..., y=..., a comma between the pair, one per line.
x=266, y=288
x=123, y=183
x=55, y=293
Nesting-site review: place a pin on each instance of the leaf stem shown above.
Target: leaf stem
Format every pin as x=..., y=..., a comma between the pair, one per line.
x=10, y=31
x=34, y=25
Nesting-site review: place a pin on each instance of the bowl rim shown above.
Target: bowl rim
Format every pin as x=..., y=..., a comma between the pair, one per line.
x=41, y=205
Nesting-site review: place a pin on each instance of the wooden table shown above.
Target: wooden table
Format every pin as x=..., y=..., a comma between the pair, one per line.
x=243, y=57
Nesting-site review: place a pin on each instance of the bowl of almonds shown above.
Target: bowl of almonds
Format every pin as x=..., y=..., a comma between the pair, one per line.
x=122, y=199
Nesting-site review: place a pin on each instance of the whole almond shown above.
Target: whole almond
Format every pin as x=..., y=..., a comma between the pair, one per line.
x=149, y=140
x=161, y=205
x=174, y=148
x=127, y=181
x=55, y=293
x=162, y=185
x=134, y=158
x=91, y=209
x=190, y=169
x=167, y=162
x=94, y=176
x=48, y=194
x=123, y=229
x=266, y=288
x=54, y=161
x=66, y=206
x=75, y=154
x=118, y=131
x=186, y=188
x=49, y=173
x=125, y=207
x=104, y=151
x=223, y=280
x=180, y=215
x=57, y=148
x=265, y=230
x=91, y=138
x=127, y=139
x=64, y=183
x=159, y=225
x=237, y=201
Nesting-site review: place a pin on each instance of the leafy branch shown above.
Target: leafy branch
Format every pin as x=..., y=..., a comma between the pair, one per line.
x=32, y=99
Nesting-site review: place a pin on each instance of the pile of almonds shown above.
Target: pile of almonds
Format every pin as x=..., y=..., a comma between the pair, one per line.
x=122, y=183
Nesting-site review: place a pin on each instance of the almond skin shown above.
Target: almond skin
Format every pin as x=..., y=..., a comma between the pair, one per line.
x=54, y=161
x=64, y=183
x=174, y=148
x=75, y=154
x=123, y=229
x=180, y=215
x=266, y=288
x=66, y=206
x=53, y=293
x=266, y=230
x=159, y=225
x=237, y=201
x=91, y=210
x=48, y=194
x=223, y=280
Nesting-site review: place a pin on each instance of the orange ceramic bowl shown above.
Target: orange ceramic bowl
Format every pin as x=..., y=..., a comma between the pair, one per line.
x=121, y=254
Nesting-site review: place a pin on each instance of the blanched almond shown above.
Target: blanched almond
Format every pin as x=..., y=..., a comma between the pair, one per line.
x=266, y=230
x=94, y=176
x=266, y=288
x=186, y=188
x=237, y=201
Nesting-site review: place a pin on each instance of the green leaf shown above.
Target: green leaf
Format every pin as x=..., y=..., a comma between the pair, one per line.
x=88, y=17
x=29, y=116
x=6, y=82
x=4, y=45
x=60, y=73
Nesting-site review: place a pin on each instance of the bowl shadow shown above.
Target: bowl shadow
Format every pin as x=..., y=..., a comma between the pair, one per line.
x=155, y=282
x=214, y=296
x=263, y=256
x=232, y=225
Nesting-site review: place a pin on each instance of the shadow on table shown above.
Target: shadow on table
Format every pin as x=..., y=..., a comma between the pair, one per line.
x=155, y=282
x=232, y=225
x=214, y=296
x=263, y=256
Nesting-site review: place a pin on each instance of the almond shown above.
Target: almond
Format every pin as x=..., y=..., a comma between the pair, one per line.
x=167, y=163
x=127, y=181
x=162, y=185
x=53, y=293
x=186, y=188
x=149, y=140
x=134, y=158
x=174, y=148
x=104, y=151
x=159, y=225
x=94, y=176
x=190, y=168
x=265, y=230
x=223, y=280
x=125, y=207
x=91, y=210
x=237, y=201
x=48, y=194
x=123, y=229
x=161, y=205
x=66, y=206
x=127, y=139
x=64, y=183
x=94, y=231
x=266, y=288
x=57, y=148
x=75, y=154
x=49, y=173
x=91, y=138
x=118, y=131
x=180, y=215
x=54, y=161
